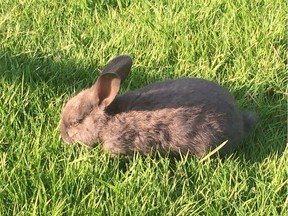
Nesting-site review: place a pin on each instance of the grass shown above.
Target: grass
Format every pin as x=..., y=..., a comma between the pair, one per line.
x=50, y=50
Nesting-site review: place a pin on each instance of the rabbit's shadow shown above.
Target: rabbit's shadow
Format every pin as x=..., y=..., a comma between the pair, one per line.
x=68, y=77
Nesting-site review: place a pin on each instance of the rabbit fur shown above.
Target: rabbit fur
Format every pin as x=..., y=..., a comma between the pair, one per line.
x=187, y=115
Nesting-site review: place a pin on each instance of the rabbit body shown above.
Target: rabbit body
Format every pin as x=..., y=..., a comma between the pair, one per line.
x=187, y=115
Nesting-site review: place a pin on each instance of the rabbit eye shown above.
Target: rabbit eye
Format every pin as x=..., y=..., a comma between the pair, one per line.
x=76, y=122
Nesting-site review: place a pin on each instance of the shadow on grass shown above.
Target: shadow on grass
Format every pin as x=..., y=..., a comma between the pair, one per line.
x=61, y=75
x=67, y=77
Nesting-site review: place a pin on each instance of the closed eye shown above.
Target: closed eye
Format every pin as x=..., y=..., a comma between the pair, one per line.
x=76, y=122
x=82, y=115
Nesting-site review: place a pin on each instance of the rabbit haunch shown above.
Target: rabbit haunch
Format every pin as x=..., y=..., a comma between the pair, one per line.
x=165, y=130
x=187, y=115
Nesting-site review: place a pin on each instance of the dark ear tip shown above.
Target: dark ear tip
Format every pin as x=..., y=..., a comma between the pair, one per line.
x=126, y=59
x=120, y=65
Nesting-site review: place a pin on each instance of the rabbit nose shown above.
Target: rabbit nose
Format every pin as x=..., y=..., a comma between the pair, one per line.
x=65, y=137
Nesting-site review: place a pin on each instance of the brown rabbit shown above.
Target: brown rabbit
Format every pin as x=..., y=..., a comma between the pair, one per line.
x=188, y=115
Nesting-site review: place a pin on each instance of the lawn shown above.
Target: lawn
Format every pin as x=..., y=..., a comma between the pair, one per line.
x=50, y=50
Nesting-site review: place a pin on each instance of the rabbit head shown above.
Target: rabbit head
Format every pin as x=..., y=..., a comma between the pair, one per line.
x=83, y=116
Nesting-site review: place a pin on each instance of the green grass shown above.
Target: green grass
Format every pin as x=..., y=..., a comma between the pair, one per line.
x=51, y=50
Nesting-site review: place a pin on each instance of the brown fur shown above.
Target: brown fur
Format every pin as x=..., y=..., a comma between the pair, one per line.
x=186, y=115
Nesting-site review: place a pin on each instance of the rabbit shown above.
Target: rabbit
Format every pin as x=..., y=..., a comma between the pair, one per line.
x=182, y=116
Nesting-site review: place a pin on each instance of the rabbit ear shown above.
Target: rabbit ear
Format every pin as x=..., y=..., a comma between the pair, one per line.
x=120, y=65
x=106, y=88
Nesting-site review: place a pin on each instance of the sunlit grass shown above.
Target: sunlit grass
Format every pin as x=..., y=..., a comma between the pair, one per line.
x=50, y=50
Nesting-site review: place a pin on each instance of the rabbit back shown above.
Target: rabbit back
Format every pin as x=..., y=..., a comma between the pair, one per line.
x=184, y=115
x=184, y=92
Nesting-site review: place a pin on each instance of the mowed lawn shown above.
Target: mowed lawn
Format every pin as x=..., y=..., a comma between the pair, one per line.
x=50, y=50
